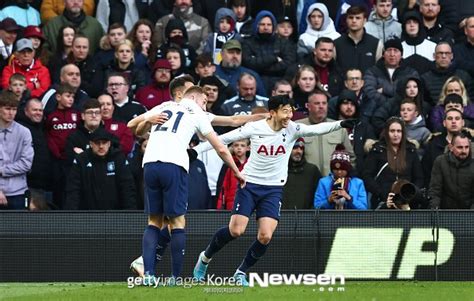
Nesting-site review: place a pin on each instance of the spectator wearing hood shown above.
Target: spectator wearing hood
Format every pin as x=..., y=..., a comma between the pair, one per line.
x=303, y=178
x=347, y=108
x=197, y=27
x=244, y=21
x=265, y=52
x=177, y=36
x=417, y=49
x=319, y=25
x=157, y=91
x=381, y=24
x=224, y=25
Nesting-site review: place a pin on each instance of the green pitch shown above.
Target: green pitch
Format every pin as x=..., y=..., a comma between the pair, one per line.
x=372, y=291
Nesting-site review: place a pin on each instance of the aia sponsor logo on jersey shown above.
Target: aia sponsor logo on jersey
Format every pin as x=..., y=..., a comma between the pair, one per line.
x=271, y=150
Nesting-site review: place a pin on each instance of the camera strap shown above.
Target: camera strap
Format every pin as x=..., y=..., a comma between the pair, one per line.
x=380, y=171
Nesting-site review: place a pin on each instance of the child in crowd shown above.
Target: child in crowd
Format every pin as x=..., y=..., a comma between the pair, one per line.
x=224, y=25
x=59, y=124
x=17, y=84
x=415, y=124
x=225, y=201
x=339, y=190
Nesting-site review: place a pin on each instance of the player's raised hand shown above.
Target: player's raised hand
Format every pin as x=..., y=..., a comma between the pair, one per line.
x=241, y=179
x=158, y=119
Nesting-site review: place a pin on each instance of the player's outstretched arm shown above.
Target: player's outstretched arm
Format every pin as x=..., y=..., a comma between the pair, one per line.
x=132, y=124
x=225, y=155
x=237, y=120
x=226, y=139
x=318, y=129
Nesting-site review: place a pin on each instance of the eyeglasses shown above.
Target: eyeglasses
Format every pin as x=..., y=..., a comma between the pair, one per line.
x=92, y=113
x=112, y=85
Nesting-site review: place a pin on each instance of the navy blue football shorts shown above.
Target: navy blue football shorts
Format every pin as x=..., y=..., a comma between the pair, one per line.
x=265, y=200
x=166, y=189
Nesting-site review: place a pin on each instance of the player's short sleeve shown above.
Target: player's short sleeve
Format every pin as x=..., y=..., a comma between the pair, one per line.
x=203, y=124
x=210, y=116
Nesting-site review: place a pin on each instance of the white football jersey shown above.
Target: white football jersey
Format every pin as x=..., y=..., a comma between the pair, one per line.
x=168, y=142
x=270, y=150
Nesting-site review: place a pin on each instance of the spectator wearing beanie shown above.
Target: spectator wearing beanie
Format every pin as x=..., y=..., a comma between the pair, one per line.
x=339, y=190
x=381, y=80
x=157, y=91
x=303, y=178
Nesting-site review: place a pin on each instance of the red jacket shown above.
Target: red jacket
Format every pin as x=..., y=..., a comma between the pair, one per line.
x=59, y=124
x=152, y=95
x=121, y=131
x=225, y=201
x=36, y=72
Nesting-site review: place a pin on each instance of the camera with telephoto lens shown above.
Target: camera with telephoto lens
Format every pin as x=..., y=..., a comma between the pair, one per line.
x=405, y=192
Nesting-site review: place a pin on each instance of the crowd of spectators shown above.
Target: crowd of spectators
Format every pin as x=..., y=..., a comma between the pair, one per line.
x=74, y=72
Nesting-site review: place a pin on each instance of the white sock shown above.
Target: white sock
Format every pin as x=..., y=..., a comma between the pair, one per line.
x=204, y=258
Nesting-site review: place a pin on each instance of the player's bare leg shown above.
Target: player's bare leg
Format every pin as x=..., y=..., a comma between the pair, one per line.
x=237, y=225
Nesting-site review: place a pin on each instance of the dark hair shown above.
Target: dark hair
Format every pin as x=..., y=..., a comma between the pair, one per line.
x=91, y=103
x=410, y=101
x=396, y=161
x=318, y=90
x=116, y=25
x=38, y=198
x=8, y=99
x=60, y=39
x=452, y=110
x=353, y=70
x=356, y=10
x=281, y=82
x=460, y=135
x=203, y=59
x=132, y=35
x=65, y=88
x=323, y=40
x=278, y=101
x=237, y=3
x=178, y=82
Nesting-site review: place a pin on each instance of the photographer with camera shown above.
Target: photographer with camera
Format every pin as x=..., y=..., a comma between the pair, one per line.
x=339, y=190
x=400, y=196
x=390, y=159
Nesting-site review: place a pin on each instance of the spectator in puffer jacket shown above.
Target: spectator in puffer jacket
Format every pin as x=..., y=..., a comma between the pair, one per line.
x=265, y=52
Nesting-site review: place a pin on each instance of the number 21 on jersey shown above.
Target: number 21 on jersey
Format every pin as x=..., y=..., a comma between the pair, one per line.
x=176, y=122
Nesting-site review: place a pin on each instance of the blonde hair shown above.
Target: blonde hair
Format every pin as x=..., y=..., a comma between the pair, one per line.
x=454, y=79
x=128, y=43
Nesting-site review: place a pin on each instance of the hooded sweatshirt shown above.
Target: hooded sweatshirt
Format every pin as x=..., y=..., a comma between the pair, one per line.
x=217, y=39
x=383, y=29
x=309, y=38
